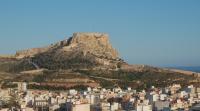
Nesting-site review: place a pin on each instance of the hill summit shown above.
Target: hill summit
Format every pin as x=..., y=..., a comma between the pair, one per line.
x=81, y=50
x=94, y=43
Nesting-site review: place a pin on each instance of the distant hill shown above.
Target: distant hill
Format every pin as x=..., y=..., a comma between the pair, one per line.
x=85, y=59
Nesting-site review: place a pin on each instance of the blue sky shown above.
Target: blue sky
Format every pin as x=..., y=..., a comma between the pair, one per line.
x=153, y=32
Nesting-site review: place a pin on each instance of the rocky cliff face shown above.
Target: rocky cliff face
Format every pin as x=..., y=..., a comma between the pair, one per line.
x=93, y=43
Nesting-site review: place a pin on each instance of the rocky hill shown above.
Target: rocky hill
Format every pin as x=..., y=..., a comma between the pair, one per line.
x=93, y=43
x=82, y=50
x=86, y=57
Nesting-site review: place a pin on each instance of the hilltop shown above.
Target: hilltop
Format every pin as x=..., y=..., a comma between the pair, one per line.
x=82, y=50
x=85, y=59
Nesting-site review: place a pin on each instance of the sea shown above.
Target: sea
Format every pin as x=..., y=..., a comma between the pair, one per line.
x=188, y=68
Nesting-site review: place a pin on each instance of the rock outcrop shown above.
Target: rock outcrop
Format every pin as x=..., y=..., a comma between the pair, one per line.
x=93, y=43
x=81, y=50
